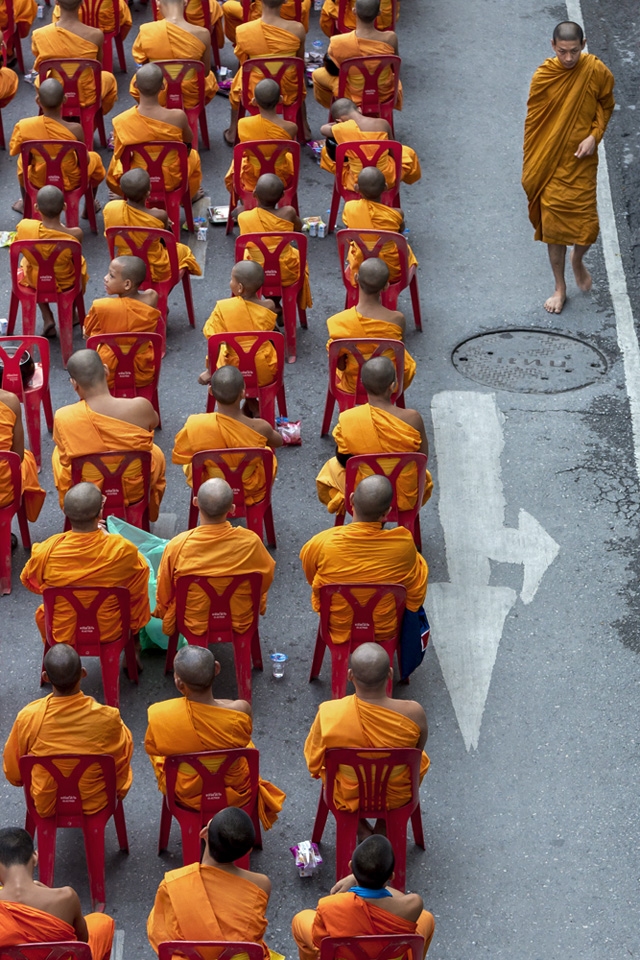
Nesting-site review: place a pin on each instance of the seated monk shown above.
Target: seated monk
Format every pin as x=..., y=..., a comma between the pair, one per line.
x=51, y=125
x=50, y=204
x=174, y=38
x=196, y=721
x=364, y=41
x=149, y=121
x=68, y=721
x=12, y=438
x=87, y=556
x=135, y=185
x=126, y=309
x=369, y=214
x=267, y=218
x=363, y=551
x=349, y=125
x=233, y=15
x=71, y=38
x=24, y=13
x=100, y=423
x=271, y=36
x=266, y=125
x=214, y=900
x=364, y=905
x=329, y=16
x=106, y=16
x=375, y=427
x=193, y=13
x=227, y=427
x=30, y=912
x=8, y=83
x=217, y=551
x=368, y=319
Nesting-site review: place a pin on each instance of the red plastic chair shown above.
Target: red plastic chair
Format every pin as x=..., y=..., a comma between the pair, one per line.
x=3, y=54
x=373, y=768
x=272, y=286
x=259, y=150
x=257, y=514
x=112, y=465
x=87, y=640
x=212, y=800
x=370, y=243
x=11, y=35
x=125, y=377
x=44, y=254
x=274, y=68
x=123, y=241
x=91, y=10
x=170, y=200
x=37, y=390
x=68, y=72
x=410, y=519
x=226, y=949
x=409, y=946
x=362, y=629
x=54, y=152
x=347, y=21
x=11, y=461
x=246, y=646
x=206, y=18
x=70, y=950
x=345, y=400
x=267, y=395
x=69, y=814
x=368, y=99
x=175, y=72
x=367, y=153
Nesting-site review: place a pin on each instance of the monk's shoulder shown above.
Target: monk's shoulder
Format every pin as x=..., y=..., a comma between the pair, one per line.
x=408, y=708
x=10, y=400
x=601, y=70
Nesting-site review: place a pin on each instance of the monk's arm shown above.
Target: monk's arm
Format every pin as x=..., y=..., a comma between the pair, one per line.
x=604, y=109
x=326, y=130
x=182, y=452
x=138, y=586
x=402, y=224
x=314, y=749
x=15, y=144
x=31, y=576
x=79, y=923
x=17, y=442
x=11, y=757
x=162, y=924
x=206, y=56
x=265, y=563
x=138, y=52
x=273, y=437
x=309, y=556
x=412, y=905
x=416, y=583
x=416, y=421
x=122, y=752
x=165, y=589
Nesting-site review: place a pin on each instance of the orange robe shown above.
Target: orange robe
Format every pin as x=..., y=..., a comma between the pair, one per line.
x=88, y=560
x=235, y=315
x=369, y=215
x=8, y=86
x=263, y=221
x=219, y=552
x=184, y=726
x=162, y=40
x=351, y=324
x=329, y=16
x=346, y=46
x=364, y=552
x=106, y=17
x=349, y=132
x=232, y=11
x=259, y=39
x=366, y=429
x=124, y=315
x=45, y=128
x=32, y=493
x=22, y=924
x=24, y=13
x=54, y=42
x=565, y=107
x=130, y=128
x=78, y=430
x=193, y=14
x=200, y=902
x=259, y=128
x=215, y=431
x=119, y=213
x=63, y=267
x=73, y=724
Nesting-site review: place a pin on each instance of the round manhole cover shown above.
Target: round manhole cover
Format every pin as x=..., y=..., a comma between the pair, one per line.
x=529, y=361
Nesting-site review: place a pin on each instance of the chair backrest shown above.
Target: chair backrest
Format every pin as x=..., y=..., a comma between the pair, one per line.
x=224, y=949
x=138, y=240
x=153, y=154
x=396, y=463
x=388, y=947
x=92, y=9
x=220, y=626
x=87, y=628
x=175, y=73
x=112, y=465
x=247, y=354
x=43, y=254
x=10, y=461
x=368, y=71
x=71, y=950
x=372, y=768
x=362, y=625
x=12, y=350
x=213, y=797
x=259, y=149
x=370, y=244
x=352, y=346
x=125, y=374
x=368, y=153
x=69, y=71
x=272, y=271
x=271, y=68
x=53, y=153
x=68, y=800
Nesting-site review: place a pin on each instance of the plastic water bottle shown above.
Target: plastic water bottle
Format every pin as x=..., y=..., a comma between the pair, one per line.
x=278, y=662
x=318, y=48
x=4, y=326
x=317, y=4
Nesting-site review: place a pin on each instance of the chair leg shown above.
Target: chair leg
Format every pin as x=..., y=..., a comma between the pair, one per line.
x=188, y=297
x=416, y=825
x=417, y=535
x=339, y=520
x=267, y=404
x=256, y=651
x=204, y=129
x=190, y=831
x=93, y=831
x=269, y=527
x=65, y=329
x=328, y=413
x=13, y=314
x=46, y=843
x=397, y=834
x=335, y=205
x=122, y=60
x=110, y=665
x=121, y=827
x=282, y=402
x=321, y=818
x=339, y=669
x=23, y=524
x=48, y=409
x=289, y=317
x=318, y=657
x=107, y=55
x=172, y=649
x=130, y=659
x=165, y=827
x=32, y=416
x=17, y=49
x=415, y=302
x=242, y=657
x=99, y=125
x=346, y=839
x=5, y=556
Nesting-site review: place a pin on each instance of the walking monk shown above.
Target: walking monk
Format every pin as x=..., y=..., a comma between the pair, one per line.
x=215, y=900
x=126, y=309
x=33, y=913
x=135, y=185
x=196, y=721
x=12, y=438
x=570, y=103
x=378, y=426
x=100, y=423
x=150, y=121
x=363, y=904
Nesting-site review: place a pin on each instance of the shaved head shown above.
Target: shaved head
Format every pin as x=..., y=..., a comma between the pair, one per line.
x=149, y=79
x=86, y=368
x=269, y=189
x=63, y=666
x=342, y=108
x=135, y=184
x=371, y=183
x=230, y=834
x=51, y=93
x=373, y=862
x=82, y=503
x=70, y=4
x=131, y=268
x=215, y=498
x=569, y=32
x=370, y=666
x=273, y=4
x=372, y=498
x=250, y=274
x=367, y=10
x=16, y=847
x=373, y=275
x=196, y=667
x=377, y=375
x=227, y=385
x=267, y=94
x=50, y=201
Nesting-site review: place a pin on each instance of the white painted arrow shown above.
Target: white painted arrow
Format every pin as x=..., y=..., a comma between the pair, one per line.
x=467, y=614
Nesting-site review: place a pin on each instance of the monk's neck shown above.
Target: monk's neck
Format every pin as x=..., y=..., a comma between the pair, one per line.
x=232, y=411
x=93, y=395
x=377, y=697
x=252, y=299
x=269, y=209
x=137, y=205
x=208, y=861
x=366, y=31
x=271, y=115
x=272, y=17
x=17, y=883
x=368, y=303
x=52, y=114
x=51, y=223
x=148, y=104
x=381, y=403
x=68, y=19
x=206, y=697
x=131, y=296
x=177, y=18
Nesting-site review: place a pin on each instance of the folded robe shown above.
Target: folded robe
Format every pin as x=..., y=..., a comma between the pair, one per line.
x=22, y=924
x=259, y=128
x=260, y=39
x=46, y=128
x=54, y=42
x=32, y=493
x=352, y=325
x=369, y=215
x=63, y=266
x=162, y=40
x=349, y=132
x=124, y=315
x=346, y=46
x=119, y=213
x=263, y=221
x=235, y=315
x=233, y=15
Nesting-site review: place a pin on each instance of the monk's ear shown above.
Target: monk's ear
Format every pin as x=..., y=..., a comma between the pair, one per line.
x=350, y=675
x=34, y=858
x=83, y=673
x=106, y=369
x=351, y=503
x=217, y=668
x=355, y=277
x=253, y=102
x=195, y=501
x=232, y=510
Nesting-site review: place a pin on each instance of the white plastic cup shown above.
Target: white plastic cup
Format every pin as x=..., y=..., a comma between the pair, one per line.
x=4, y=326
x=278, y=663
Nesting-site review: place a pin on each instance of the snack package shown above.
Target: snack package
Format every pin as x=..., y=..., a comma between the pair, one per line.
x=290, y=431
x=307, y=857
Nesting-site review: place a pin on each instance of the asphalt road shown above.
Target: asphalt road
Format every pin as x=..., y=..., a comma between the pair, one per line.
x=531, y=681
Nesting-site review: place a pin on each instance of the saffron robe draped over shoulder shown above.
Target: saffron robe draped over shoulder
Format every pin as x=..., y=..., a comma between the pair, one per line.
x=260, y=39
x=46, y=128
x=124, y=315
x=78, y=430
x=22, y=924
x=215, y=431
x=263, y=221
x=259, y=128
x=74, y=724
x=184, y=726
x=235, y=315
x=88, y=560
x=32, y=493
x=369, y=215
x=118, y=213
x=233, y=15
x=219, y=552
x=200, y=902
x=63, y=266
x=106, y=16
x=349, y=132
x=351, y=324
x=8, y=86
x=54, y=42
x=564, y=107
x=162, y=40
x=364, y=552
x=346, y=46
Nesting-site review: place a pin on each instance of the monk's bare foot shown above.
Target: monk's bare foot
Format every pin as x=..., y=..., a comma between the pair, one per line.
x=18, y=206
x=229, y=140
x=204, y=378
x=582, y=275
x=555, y=303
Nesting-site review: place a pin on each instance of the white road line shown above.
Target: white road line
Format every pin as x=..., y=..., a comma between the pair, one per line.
x=118, y=945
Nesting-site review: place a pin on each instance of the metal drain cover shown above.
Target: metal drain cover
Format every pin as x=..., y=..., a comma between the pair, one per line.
x=529, y=361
